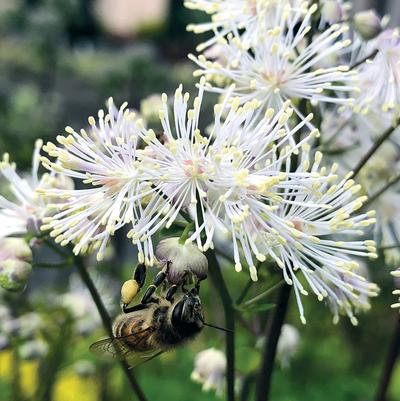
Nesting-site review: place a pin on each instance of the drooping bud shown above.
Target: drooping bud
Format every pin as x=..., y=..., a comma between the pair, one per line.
x=288, y=344
x=14, y=274
x=184, y=258
x=367, y=24
x=150, y=107
x=15, y=263
x=15, y=248
x=84, y=368
x=332, y=11
x=209, y=370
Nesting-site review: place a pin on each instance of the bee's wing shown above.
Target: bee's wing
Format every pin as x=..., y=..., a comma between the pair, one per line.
x=135, y=358
x=115, y=347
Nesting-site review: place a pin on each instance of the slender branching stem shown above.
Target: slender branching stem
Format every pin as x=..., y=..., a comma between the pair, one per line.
x=185, y=233
x=393, y=181
x=272, y=333
x=107, y=323
x=388, y=368
x=385, y=135
x=265, y=293
x=363, y=60
x=244, y=292
x=229, y=311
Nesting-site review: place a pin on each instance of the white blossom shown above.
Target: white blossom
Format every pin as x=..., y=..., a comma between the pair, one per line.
x=288, y=344
x=25, y=211
x=209, y=370
x=281, y=65
x=254, y=16
x=379, y=79
x=316, y=231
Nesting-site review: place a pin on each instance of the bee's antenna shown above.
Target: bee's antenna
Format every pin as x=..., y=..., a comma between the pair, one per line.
x=217, y=327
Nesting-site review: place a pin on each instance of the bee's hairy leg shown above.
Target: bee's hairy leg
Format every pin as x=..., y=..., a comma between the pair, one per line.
x=140, y=274
x=184, y=282
x=127, y=309
x=171, y=292
x=148, y=295
x=196, y=287
x=158, y=280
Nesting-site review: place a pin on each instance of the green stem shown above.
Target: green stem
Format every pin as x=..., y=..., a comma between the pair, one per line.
x=243, y=294
x=388, y=369
x=16, y=375
x=229, y=311
x=385, y=135
x=377, y=194
x=185, y=233
x=265, y=294
x=51, y=265
x=107, y=323
x=50, y=243
x=272, y=333
x=363, y=60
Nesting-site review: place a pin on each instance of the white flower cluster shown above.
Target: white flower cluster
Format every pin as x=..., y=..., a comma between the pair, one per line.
x=241, y=178
x=24, y=210
x=255, y=174
x=277, y=62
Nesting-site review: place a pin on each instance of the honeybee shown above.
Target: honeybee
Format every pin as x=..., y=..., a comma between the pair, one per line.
x=153, y=328
x=157, y=324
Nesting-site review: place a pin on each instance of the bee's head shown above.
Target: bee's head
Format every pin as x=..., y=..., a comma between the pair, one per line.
x=187, y=315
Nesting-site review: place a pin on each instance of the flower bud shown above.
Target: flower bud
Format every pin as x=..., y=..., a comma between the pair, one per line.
x=331, y=11
x=367, y=24
x=209, y=369
x=15, y=263
x=84, y=368
x=129, y=291
x=14, y=274
x=184, y=258
x=34, y=349
x=15, y=248
x=288, y=344
x=149, y=108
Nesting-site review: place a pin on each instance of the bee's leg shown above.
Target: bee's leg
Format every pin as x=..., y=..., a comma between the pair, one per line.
x=139, y=276
x=184, y=282
x=171, y=292
x=196, y=288
x=158, y=280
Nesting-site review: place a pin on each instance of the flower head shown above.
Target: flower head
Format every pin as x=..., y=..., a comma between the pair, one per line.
x=253, y=16
x=134, y=177
x=228, y=179
x=380, y=78
x=316, y=230
x=280, y=65
x=105, y=160
x=25, y=212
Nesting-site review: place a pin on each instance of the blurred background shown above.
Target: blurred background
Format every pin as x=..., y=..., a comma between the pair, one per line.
x=59, y=61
